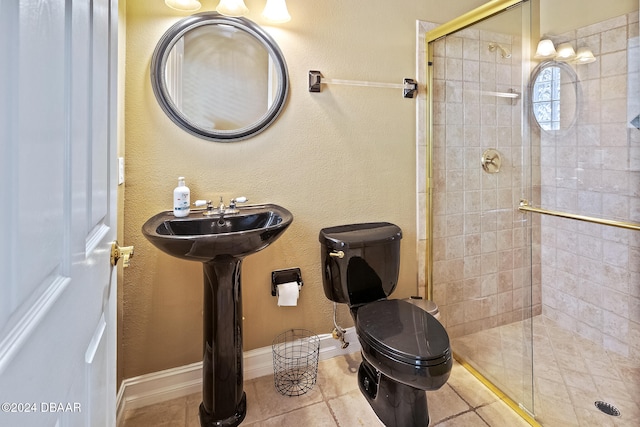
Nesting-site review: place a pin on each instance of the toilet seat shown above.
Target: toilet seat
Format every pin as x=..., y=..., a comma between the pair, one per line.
x=401, y=338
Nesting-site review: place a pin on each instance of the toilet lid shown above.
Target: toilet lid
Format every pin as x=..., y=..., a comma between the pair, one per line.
x=404, y=332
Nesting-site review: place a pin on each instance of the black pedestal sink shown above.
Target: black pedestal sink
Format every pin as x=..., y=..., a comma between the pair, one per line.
x=220, y=242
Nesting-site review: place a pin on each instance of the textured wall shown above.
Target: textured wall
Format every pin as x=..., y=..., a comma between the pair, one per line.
x=344, y=155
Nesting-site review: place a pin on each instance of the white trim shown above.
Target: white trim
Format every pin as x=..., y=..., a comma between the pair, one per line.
x=182, y=381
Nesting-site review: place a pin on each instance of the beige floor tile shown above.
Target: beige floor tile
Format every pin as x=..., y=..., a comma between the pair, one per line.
x=445, y=403
x=551, y=412
x=578, y=379
x=554, y=389
x=339, y=375
x=591, y=419
x=469, y=388
x=254, y=409
x=193, y=409
x=264, y=401
x=165, y=414
x=468, y=419
x=353, y=410
x=316, y=415
x=498, y=414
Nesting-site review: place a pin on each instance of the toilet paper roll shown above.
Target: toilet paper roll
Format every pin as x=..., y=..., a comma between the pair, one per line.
x=288, y=294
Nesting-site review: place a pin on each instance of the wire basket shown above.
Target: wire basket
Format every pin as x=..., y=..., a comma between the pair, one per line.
x=295, y=361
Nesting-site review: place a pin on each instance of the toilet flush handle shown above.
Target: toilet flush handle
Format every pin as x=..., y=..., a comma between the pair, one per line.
x=337, y=254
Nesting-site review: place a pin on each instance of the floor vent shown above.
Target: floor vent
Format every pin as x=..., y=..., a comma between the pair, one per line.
x=607, y=408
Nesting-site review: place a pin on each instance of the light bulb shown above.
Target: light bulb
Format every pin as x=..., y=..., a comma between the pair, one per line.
x=545, y=50
x=584, y=56
x=565, y=52
x=275, y=11
x=232, y=8
x=183, y=5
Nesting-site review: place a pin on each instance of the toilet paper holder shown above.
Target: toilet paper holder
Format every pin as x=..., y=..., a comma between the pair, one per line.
x=278, y=277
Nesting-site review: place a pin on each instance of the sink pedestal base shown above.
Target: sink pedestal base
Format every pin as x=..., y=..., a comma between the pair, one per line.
x=224, y=403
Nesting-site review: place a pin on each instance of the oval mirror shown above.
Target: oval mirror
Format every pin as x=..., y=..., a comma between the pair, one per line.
x=220, y=78
x=554, y=96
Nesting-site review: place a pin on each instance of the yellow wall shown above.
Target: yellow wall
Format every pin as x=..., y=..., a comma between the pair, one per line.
x=344, y=155
x=559, y=16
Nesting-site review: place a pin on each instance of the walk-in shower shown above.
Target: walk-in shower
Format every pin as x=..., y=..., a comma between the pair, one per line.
x=535, y=264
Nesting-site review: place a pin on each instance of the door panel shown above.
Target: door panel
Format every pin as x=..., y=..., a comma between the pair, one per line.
x=100, y=110
x=39, y=232
x=57, y=287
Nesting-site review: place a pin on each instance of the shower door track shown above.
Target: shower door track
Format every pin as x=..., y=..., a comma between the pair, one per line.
x=526, y=207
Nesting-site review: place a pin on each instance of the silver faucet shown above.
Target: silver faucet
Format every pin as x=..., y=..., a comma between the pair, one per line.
x=221, y=206
x=221, y=209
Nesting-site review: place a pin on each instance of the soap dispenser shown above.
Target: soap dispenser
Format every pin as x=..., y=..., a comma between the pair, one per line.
x=181, y=199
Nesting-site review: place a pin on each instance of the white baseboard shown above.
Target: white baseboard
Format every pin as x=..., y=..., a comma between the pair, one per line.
x=182, y=381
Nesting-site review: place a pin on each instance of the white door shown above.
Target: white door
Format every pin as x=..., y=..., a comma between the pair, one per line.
x=58, y=213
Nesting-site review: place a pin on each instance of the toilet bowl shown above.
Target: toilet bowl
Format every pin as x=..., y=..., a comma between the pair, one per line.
x=405, y=350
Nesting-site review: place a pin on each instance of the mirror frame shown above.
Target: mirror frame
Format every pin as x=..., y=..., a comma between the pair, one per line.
x=564, y=68
x=158, y=75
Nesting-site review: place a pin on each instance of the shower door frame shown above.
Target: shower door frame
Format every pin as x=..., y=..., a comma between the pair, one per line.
x=468, y=19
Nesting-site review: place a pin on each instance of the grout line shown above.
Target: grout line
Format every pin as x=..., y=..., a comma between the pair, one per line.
x=473, y=408
x=333, y=414
x=453, y=417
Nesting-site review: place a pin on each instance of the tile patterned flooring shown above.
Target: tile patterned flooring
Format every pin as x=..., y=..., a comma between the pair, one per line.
x=570, y=373
x=335, y=400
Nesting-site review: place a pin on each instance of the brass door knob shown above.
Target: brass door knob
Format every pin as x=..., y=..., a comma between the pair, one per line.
x=124, y=252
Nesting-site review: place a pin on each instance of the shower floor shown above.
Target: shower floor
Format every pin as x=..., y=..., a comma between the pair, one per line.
x=570, y=373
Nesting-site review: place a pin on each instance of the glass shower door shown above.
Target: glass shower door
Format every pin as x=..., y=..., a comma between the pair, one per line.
x=481, y=248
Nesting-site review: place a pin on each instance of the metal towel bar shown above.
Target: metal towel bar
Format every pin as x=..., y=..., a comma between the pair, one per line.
x=526, y=207
x=409, y=86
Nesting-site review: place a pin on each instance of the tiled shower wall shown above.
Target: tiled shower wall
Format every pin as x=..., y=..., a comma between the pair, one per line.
x=480, y=248
x=591, y=273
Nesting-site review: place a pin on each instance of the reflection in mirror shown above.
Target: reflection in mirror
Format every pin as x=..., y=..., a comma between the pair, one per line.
x=220, y=78
x=554, y=96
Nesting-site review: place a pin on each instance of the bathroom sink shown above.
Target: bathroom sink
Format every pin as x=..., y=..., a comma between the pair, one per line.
x=198, y=237
x=220, y=242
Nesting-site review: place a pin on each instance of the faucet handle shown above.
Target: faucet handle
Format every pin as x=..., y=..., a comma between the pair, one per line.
x=209, y=206
x=232, y=205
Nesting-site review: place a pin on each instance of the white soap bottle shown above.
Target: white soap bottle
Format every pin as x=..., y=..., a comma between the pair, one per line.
x=181, y=199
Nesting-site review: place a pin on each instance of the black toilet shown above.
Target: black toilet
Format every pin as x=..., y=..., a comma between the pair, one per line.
x=405, y=350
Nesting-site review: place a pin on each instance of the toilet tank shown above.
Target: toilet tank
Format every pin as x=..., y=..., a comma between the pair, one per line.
x=360, y=261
